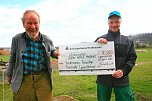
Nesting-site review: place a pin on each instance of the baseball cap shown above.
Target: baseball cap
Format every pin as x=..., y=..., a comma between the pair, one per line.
x=116, y=13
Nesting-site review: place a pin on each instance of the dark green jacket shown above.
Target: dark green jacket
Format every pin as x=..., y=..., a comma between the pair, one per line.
x=125, y=57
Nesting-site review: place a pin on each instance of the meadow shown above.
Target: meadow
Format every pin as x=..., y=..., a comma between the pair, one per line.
x=83, y=88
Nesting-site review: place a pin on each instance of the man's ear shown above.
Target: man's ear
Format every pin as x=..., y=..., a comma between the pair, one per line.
x=22, y=21
x=23, y=25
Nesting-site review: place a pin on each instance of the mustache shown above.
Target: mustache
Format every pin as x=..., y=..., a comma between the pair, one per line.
x=32, y=29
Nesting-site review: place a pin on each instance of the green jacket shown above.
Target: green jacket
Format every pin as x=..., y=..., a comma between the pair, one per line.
x=125, y=58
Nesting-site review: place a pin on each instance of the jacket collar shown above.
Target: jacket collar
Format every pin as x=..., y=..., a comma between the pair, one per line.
x=25, y=36
x=114, y=33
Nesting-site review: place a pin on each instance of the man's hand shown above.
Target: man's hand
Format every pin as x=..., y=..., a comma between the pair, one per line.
x=102, y=40
x=118, y=74
x=9, y=79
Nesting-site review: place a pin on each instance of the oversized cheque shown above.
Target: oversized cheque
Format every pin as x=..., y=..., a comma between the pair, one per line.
x=90, y=58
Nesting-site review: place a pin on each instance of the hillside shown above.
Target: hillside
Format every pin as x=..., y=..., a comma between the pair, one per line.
x=142, y=40
x=142, y=37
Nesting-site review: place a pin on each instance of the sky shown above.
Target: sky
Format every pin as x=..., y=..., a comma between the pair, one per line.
x=74, y=21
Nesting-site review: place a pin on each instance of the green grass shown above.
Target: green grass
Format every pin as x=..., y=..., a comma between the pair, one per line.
x=83, y=88
x=4, y=58
x=80, y=87
x=141, y=77
x=7, y=92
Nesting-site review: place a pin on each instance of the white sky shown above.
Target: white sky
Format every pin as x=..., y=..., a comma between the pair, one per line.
x=74, y=21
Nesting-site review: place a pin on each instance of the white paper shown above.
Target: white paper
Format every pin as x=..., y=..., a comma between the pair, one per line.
x=90, y=58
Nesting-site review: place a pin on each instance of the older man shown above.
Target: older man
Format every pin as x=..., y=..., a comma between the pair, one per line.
x=125, y=57
x=29, y=69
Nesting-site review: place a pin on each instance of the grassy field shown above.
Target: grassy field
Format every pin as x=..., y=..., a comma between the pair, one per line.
x=141, y=76
x=4, y=58
x=83, y=88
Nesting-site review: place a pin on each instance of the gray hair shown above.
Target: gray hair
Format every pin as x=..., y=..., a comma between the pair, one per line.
x=29, y=11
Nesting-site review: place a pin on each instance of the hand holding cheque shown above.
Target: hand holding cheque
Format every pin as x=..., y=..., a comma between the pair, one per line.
x=117, y=73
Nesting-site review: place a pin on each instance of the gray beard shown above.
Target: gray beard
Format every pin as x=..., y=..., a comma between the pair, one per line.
x=32, y=36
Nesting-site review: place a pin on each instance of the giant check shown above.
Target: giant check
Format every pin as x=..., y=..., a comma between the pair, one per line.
x=90, y=58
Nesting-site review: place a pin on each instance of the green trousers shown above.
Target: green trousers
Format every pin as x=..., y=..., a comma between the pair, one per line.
x=122, y=93
x=34, y=88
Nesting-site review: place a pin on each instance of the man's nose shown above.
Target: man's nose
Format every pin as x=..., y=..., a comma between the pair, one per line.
x=114, y=24
x=32, y=26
